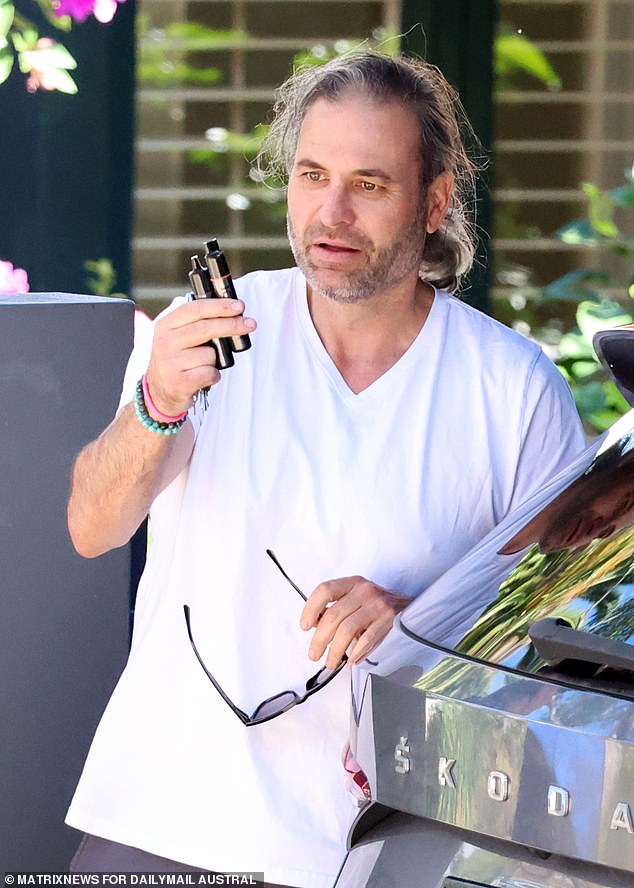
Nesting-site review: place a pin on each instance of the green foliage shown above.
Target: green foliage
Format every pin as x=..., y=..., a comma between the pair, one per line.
x=163, y=52
x=194, y=36
x=601, y=301
x=515, y=54
x=165, y=72
x=44, y=61
x=224, y=141
x=7, y=15
x=598, y=301
x=102, y=277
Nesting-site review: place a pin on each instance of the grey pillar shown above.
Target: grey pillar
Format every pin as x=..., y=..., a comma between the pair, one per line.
x=64, y=620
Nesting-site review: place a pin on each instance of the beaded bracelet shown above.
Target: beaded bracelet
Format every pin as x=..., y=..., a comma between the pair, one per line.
x=151, y=406
x=154, y=425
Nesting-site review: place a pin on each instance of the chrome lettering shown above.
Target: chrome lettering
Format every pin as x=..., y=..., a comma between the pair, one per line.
x=498, y=786
x=558, y=801
x=401, y=756
x=445, y=777
x=622, y=818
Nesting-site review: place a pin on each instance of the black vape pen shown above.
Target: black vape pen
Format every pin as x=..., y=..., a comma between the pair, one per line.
x=204, y=289
x=223, y=284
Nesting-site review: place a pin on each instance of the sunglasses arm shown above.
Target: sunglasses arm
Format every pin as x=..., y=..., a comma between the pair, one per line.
x=244, y=718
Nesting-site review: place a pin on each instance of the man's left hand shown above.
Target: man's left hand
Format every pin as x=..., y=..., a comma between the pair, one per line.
x=349, y=611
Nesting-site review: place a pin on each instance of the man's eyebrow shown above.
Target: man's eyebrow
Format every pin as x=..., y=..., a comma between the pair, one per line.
x=308, y=163
x=372, y=173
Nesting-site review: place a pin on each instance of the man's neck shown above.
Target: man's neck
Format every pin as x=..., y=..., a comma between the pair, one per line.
x=366, y=339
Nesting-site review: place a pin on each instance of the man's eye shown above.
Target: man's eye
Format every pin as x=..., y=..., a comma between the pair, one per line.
x=369, y=186
x=314, y=176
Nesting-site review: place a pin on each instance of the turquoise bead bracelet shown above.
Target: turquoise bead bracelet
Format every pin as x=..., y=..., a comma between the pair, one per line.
x=154, y=425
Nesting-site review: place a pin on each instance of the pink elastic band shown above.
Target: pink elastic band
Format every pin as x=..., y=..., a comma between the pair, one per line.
x=153, y=409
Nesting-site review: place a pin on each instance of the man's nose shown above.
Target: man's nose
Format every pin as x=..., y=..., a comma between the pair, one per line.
x=336, y=207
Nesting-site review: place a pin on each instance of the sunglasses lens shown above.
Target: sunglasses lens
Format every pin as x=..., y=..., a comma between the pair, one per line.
x=274, y=706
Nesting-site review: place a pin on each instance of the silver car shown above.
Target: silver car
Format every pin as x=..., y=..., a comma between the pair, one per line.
x=492, y=741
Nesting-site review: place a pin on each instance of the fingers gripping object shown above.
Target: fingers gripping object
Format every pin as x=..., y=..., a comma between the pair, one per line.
x=211, y=279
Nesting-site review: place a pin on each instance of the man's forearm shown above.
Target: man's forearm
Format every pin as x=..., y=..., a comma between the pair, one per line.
x=117, y=477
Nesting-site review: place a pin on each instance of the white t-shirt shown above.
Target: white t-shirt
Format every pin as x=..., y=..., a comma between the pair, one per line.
x=394, y=484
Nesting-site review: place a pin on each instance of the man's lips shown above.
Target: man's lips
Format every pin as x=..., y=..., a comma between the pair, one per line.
x=335, y=258
x=335, y=248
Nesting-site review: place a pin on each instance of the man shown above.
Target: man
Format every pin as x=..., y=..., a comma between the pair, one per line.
x=377, y=429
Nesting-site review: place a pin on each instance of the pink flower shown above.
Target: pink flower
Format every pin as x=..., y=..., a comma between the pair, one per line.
x=76, y=9
x=13, y=280
x=103, y=10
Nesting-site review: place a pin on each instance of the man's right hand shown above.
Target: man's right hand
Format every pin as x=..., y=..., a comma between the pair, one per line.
x=182, y=361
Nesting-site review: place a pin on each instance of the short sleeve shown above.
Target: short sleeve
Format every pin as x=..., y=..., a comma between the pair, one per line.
x=552, y=433
x=139, y=358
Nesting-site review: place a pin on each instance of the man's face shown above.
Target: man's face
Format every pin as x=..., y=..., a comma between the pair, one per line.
x=355, y=220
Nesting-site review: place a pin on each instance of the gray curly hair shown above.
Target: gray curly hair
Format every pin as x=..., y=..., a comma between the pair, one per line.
x=448, y=253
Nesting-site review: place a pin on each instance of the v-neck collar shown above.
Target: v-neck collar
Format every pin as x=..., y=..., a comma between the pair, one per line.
x=378, y=387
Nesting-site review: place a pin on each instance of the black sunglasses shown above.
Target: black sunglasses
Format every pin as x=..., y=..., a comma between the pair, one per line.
x=279, y=703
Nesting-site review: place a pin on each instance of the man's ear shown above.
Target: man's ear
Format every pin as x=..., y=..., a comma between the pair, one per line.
x=439, y=195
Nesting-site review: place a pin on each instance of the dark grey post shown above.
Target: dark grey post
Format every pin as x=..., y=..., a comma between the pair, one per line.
x=63, y=619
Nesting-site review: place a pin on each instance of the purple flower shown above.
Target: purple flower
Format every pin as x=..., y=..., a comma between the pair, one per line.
x=76, y=9
x=13, y=280
x=79, y=10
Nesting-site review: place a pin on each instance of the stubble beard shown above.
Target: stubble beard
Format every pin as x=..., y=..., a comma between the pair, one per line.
x=384, y=269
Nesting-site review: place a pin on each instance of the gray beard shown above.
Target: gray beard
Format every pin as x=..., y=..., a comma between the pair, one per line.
x=388, y=267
